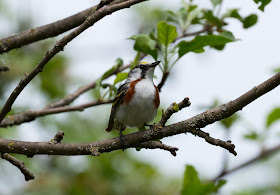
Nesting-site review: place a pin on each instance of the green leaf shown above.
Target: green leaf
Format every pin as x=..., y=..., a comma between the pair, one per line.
x=193, y=186
x=252, y=135
x=190, y=176
x=108, y=72
x=263, y=3
x=220, y=184
x=232, y=13
x=175, y=107
x=119, y=62
x=120, y=77
x=144, y=44
x=228, y=122
x=216, y=2
x=250, y=21
x=138, y=148
x=209, y=16
x=276, y=70
x=166, y=33
x=273, y=116
x=171, y=17
x=196, y=45
x=192, y=8
x=228, y=35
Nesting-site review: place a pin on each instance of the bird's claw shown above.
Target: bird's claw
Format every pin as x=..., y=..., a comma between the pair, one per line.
x=154, y=127
x=122, y=140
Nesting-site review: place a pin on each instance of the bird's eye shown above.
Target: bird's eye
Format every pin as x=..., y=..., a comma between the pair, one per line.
x=141, y=66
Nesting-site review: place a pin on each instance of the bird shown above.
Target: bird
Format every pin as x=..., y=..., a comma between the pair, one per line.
x=137, y=100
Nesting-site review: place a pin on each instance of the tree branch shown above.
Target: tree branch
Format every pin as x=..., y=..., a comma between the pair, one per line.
x=102, y=12
x=163, y=79
x=206, y=28
x=160, y=145
x=57, y=138
x=47, y=31
x=19, y=164
x=73, y=96
x=28, y=116
x=174, y=107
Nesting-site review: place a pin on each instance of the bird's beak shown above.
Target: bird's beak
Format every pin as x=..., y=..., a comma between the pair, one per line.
x=154, y=64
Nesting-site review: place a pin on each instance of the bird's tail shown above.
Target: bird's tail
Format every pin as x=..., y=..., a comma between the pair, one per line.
x=114, y=125
x=110, y=126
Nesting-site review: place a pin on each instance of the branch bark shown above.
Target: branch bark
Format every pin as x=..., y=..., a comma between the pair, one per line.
x=28, y=116
x=28, y=175
x=47, y=31
x=160, y=145
x=102, y=12
x=163, y=79
x=172, y=109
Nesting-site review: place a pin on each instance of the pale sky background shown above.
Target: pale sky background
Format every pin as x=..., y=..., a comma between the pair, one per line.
x=201, y=77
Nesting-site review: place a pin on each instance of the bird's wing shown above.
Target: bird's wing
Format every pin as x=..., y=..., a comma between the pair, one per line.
x=119, y=97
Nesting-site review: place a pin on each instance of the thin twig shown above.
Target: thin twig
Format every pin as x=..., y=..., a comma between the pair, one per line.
x=19, y=164
x=73, y=96
x=102, y=12
x=264, y=154
x=206, y=28
x=59, y=106
x=160, y=145
x=172, y=109
x=213, y=141
x=163, y=79
x=29, y=116
x=57, y=138
x=102, y=3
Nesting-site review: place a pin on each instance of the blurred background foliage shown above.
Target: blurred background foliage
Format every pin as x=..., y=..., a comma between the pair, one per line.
x=118, y=172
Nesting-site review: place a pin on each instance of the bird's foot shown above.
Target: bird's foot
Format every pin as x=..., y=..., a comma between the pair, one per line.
x=122, y=140
x=154, y=127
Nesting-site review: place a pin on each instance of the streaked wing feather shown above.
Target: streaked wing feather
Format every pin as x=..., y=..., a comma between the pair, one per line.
x=119, y=97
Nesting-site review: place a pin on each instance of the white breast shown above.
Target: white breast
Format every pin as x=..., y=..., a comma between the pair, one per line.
x=141, y=109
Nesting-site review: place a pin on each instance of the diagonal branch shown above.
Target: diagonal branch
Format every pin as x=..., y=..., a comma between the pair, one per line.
x=264, y=154
x=73, y=96
x=102, y=12
x=206, y=28
x=163, y=79
x=174, y=107
x=47, y=31
x=28, y=116
x=19, y=164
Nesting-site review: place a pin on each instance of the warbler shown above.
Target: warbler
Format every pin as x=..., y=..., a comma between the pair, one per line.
x=136, y=101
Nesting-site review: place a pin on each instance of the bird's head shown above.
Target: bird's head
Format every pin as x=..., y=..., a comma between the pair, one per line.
x=142, y=70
